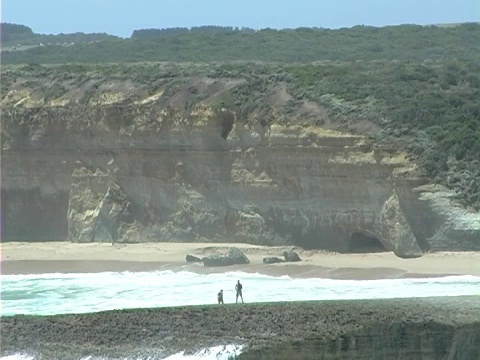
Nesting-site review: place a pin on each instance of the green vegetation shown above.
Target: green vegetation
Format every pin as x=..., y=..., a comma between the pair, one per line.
x=15, y=32
x=13, y=35
x=213, y=44
x=437, y=104
x=419, y=85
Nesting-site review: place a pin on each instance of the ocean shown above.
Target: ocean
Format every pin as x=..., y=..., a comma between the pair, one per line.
x=49, y=294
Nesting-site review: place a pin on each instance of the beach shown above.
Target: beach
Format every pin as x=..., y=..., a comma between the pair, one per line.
x=150, y=303
x=63, y=257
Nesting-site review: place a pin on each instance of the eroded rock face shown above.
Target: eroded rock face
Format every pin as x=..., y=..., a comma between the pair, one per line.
x=106, y=211
x=396, y=231
x=130, y=170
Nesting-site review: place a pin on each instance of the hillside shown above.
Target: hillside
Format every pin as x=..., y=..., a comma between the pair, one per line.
x=217, y=44
x=431, y=109
x=17, y=37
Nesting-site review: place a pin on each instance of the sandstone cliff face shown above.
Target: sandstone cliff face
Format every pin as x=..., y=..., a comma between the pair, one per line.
x=123, y=168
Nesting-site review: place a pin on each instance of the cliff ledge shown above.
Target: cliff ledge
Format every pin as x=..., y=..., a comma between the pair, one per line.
x=118, y=161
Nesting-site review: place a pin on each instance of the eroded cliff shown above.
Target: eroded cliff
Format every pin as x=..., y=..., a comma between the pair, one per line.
x=120, y=161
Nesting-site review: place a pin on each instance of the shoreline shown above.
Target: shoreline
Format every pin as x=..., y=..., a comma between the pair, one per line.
x=25, y=267
x=65, y=257
x=362, y=329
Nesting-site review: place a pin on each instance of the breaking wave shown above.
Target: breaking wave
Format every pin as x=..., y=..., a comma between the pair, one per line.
x=49, y=294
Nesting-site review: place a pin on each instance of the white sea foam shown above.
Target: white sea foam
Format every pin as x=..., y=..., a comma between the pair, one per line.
x=222, y=352
x=47, y=294
x=213, y=353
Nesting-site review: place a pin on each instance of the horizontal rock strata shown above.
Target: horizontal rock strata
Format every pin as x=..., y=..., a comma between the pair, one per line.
x=123, y=168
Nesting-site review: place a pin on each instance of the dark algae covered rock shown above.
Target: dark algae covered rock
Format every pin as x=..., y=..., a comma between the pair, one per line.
x=234, y=256
x=192, y=258
x=441, y=328
x=272, y=260
x=291, y=256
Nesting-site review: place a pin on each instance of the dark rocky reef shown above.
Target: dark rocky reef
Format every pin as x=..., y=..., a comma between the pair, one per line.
x=402, y=329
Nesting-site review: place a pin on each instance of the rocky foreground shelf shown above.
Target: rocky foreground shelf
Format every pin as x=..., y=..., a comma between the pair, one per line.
x=428, y=328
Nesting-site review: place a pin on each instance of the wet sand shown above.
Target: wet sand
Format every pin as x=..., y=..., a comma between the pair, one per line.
x=50, y=257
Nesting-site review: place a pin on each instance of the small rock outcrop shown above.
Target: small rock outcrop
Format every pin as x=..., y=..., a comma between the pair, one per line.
x=396, y=230
x=192, y=259
x=237, y=256
x=233, y=257
x=272, y=260
x=291, y=256
x=217, y=260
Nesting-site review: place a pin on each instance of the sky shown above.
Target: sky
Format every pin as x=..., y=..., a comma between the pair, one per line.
x=121, y=17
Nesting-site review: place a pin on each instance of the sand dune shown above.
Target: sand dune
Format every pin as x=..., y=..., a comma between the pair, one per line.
x=23, y=258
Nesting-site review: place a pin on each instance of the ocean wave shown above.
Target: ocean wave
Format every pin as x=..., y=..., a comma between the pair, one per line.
x=233, y=274
x=49, y=294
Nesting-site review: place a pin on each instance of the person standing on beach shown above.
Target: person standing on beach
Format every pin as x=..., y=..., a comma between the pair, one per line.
x=220, y=297
x=238, y=289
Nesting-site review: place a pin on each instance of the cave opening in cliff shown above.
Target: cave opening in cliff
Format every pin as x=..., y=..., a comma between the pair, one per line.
x=363, y=243
x=227, y=121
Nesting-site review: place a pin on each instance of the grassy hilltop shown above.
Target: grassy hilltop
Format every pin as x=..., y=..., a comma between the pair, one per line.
x=212, y=43
x=409, y=87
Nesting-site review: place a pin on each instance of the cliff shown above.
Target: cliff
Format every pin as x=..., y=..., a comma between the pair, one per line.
x=102, y=158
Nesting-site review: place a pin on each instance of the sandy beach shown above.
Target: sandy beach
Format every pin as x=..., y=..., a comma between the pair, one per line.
x=50, y=257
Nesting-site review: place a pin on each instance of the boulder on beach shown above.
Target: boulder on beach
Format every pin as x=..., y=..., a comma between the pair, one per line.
x=237, y=256
x=233, y=257
x=192, y=258
x=272, y=260
x=291, y=256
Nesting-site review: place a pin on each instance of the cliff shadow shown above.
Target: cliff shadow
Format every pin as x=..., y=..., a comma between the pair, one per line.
x=360, y=243
x=29, y=216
